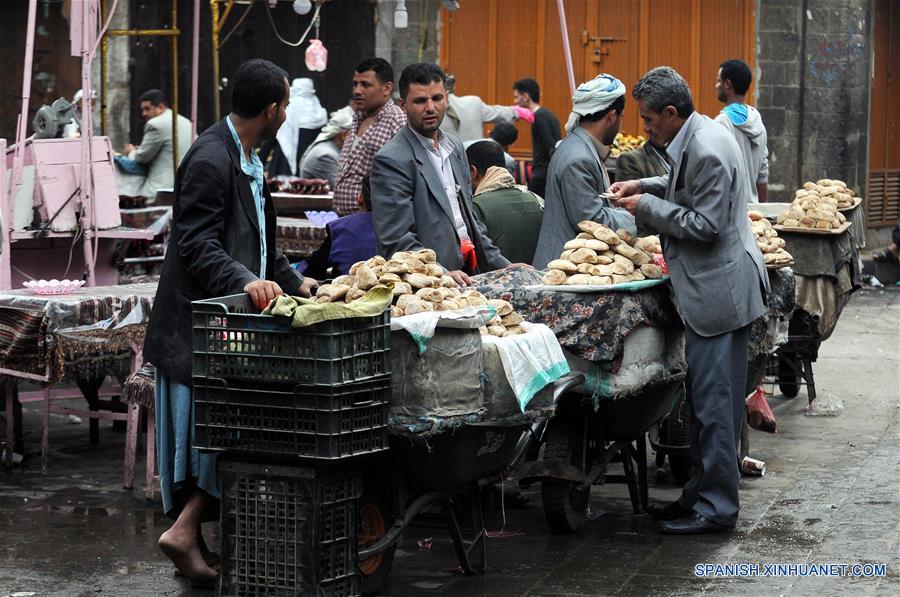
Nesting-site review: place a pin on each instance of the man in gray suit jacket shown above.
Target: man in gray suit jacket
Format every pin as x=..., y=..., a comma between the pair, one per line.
x=421, y=187
x=155, y=150
x=577, y=176
x=719, y=280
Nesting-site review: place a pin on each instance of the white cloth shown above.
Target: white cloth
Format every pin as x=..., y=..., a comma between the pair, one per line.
x=530, y=361
x=594, y=96
x=421, y=326
x=303, y=112
x=440, y=160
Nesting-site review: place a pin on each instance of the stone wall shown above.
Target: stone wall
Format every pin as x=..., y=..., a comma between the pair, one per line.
x=813, y=90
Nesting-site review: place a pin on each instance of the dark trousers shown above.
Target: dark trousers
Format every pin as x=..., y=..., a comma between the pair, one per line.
x=716, y=380
x=538, y=183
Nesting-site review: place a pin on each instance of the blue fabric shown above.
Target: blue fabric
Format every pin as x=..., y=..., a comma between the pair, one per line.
x=737, y=113
x=254, y=169
x=129, y=166
x=176, y=460
x=352, y=240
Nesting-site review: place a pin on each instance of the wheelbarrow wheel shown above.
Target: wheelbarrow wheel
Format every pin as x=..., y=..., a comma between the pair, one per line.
x=372, y=526
x=788, y=378
x=565, y=506
x=376, y=515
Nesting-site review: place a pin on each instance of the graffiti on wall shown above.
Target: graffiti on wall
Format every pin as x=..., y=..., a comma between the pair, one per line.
x=830, y=58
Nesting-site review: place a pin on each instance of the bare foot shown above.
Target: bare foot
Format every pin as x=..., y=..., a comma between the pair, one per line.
x=211, y=558
x=185, y=554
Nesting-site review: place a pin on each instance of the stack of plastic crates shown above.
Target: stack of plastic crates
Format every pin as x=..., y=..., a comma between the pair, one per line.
x=292, y=409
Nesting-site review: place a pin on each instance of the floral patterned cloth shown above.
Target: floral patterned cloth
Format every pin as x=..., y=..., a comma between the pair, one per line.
x=590, y=326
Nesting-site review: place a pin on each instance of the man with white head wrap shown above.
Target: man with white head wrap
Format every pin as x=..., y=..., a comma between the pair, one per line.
x=304, y=117
x=321, y=158
x=577, y=176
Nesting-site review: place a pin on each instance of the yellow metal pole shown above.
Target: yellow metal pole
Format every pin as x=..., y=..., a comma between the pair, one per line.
x=225, y=14
x=142, y=32
x=214, y=9
x=174, y=26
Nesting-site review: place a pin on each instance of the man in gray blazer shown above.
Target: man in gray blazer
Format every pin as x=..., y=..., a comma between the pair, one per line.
x=719, y=281
x=155, y=150
x=577, y=176
x=421, y=188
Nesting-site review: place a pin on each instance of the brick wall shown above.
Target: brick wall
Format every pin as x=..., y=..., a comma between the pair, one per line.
x=813, y=90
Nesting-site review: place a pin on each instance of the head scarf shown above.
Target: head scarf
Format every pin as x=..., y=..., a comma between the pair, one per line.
x=594, y=96
x=340, y=120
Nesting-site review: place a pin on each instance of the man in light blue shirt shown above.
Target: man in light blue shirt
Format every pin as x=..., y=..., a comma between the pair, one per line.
x=220, y=208
x=254, y=169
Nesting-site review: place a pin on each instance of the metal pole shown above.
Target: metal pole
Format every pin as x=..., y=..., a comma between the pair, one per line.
x=214, y=8
x=5, y=213
x=563, y=28
x=104, y=47
x=195, y=70
x=87, y=137
x=22, y=128
x=174, y=89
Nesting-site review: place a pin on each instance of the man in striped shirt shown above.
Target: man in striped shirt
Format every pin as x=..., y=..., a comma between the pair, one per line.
x=375, y=122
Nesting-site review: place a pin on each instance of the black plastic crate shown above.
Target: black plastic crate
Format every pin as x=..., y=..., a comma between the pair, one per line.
x=289, y=529
x=308, y=421
x=233, y=341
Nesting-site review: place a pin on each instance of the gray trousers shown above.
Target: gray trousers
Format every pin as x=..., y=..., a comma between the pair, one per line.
x=716, y=380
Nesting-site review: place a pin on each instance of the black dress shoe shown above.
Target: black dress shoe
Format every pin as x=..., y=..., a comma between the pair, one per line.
x=693, y=524
x=672, y=511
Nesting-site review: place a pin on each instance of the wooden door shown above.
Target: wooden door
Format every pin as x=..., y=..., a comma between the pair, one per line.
x=489, y=44
x=883, y=206
x=691, y=36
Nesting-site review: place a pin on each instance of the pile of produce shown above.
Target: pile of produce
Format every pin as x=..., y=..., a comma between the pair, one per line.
x=419, y=284
x=600, y=257
x=769, y=243
x=816, y=206
x=625, y=143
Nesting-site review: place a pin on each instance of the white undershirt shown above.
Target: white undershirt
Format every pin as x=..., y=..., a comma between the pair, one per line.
x=440, y=159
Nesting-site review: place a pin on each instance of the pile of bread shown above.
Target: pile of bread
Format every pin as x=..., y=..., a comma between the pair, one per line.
x=624, y=143
x=420, y=284
x=816, y=205
x=768, y=241
x=600, y=257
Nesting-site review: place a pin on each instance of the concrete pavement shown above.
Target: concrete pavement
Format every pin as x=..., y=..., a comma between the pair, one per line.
x=831, y=495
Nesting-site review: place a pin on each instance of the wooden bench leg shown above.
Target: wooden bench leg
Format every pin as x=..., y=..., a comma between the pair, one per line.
x=45, y=437
x=150, y=487
x=10, y=421
x=131, y=438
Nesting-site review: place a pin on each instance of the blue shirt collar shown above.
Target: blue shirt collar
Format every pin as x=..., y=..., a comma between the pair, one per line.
x=252, y=167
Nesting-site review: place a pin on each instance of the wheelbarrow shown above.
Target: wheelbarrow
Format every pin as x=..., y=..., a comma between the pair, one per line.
x=451, y=469
x=582, y=439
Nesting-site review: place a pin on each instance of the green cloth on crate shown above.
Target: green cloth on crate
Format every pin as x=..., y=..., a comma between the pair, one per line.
x=305, y=312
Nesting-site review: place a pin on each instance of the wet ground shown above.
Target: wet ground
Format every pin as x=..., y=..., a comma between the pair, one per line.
x=831, y=496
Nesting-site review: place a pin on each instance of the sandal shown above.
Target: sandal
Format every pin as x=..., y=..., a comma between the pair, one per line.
x=885, y=255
